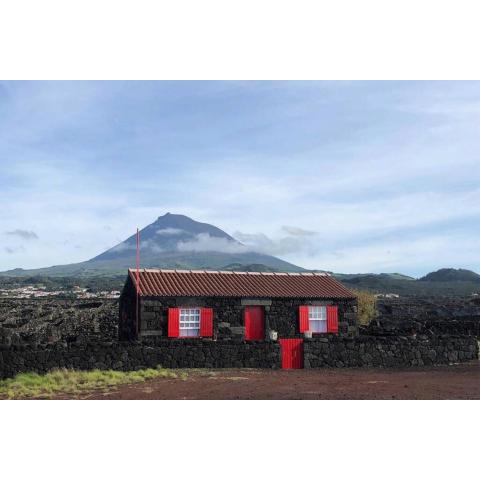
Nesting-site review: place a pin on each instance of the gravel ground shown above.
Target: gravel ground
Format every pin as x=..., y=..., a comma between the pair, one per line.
x=443, y=382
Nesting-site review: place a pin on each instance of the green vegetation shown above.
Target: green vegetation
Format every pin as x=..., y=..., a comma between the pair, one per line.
x=366, y=307
x=74, y=382
x=452, y=275
x=382, y=284
x=384, y=276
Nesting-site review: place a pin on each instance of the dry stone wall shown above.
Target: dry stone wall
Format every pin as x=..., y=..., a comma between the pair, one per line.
x=134, y=356
x=281, y=315
x=57, y=321
x=40, y=335
x=427, y=316
x=201, y=353
x=374, y=351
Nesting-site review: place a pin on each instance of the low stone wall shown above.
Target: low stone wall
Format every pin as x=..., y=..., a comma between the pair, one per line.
x=134, y=356
x=426, y=316
x=422, y=308
x=328, y=351
x=371, y=351
x=386, y=326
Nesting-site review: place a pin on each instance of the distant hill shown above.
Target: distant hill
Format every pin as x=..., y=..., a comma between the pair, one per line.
x=254, y=267
x=451, y=275
x=378, y=276
x=172, y=241
x=404, y=285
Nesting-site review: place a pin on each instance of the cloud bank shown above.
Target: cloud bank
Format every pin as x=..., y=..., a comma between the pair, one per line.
x=204, y=242
x=300, y=242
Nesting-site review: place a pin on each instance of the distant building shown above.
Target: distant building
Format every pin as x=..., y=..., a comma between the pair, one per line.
x=387, y=295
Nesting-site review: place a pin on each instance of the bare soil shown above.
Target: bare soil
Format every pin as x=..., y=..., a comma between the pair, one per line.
x=442, y=382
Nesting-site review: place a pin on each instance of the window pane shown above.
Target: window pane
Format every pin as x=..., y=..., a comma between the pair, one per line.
x=318, y=326
x=189, y=322
x=317, y=313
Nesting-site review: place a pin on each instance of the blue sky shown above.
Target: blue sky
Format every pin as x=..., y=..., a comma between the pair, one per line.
x=342, y=176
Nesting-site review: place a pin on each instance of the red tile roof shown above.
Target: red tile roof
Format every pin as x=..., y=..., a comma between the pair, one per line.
x=202, y=283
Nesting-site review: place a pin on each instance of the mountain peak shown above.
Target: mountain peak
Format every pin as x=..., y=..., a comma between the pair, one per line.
x=180, y=228
x=178, y=241
x=172, y=233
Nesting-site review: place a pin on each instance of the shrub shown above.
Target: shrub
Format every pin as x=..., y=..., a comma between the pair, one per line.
x=367, y=308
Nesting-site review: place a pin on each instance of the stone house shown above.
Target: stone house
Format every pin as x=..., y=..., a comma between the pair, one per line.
x=242, y=306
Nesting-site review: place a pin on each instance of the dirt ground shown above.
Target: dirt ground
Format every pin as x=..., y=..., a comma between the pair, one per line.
x=444, y=382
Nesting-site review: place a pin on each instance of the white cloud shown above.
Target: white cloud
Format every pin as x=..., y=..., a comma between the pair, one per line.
x=170, y=231
x=122, y=247
x=397, y=255
x=206, y=243
x=282, y=245
x=298, y=232
x=151, y=246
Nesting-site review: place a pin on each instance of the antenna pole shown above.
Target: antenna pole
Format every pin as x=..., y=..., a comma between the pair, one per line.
x=138, y=283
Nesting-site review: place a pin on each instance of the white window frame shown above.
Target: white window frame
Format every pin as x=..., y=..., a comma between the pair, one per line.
x=317, y=318
x=190, y=319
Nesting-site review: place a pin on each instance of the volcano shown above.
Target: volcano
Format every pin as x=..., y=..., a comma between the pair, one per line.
x=173, y=242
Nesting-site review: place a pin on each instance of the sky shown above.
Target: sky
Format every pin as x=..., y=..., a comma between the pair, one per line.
x=341, y=176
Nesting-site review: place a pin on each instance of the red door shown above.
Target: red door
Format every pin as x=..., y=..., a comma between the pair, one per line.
x=292, y=352
x=254, y=323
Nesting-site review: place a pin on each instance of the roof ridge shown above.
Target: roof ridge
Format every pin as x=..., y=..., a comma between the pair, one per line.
x=198, y=283
x=232, y=272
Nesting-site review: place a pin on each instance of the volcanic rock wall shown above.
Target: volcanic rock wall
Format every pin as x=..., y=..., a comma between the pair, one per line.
x=51, y=321
x=184, y=353
x=39, y=335
x=281, y=315
x=428, y=316
x=372, y=351
x=200, y=353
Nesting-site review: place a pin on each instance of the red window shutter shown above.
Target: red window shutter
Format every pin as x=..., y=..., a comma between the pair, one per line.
x=304, y=323
x=206, y=322
x=332, y=319
x=173, y=322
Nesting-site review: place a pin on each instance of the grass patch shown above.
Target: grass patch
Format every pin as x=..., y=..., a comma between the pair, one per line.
x=75, y=382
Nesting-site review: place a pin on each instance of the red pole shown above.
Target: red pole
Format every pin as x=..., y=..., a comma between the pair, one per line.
x=138, y=282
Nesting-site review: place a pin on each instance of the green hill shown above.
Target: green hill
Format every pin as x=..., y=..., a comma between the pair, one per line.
x=392, y=284
x=451, y=275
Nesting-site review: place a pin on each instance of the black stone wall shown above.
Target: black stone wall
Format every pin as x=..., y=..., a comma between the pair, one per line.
x=125, y=356
x=426, y=316
x=371, y=351
x=331, y=351
x=38, y=321
x=39, y=335
x=281, y=315
x=423, y=308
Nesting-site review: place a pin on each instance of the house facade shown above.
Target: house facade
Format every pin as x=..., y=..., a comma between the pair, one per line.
x=241, y=306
